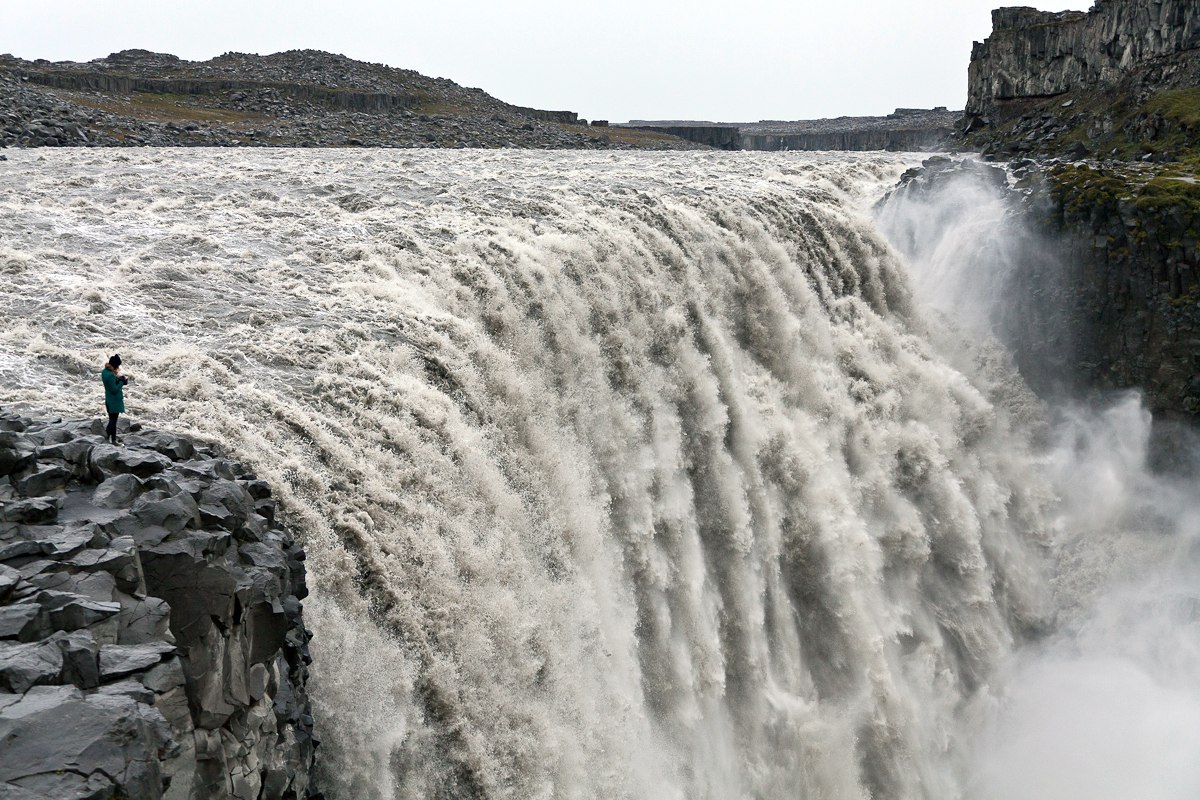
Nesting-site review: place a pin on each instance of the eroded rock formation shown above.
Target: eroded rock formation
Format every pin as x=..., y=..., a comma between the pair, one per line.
x=1120, y=80
x=151, y=637
x=1033, y=54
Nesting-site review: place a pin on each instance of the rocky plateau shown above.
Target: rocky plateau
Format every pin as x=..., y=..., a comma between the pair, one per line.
x=298, y=98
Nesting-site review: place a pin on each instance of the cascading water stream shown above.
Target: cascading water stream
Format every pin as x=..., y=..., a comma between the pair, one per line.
x=635, y=476
x=1108, y=707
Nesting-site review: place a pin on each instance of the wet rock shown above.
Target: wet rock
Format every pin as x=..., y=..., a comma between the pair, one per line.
x=176, y=655
x=108, y=742
x=24, y=665
x=118, y=491
x=118, y=660
x=22, y=621
x=33, y=511
x=107, y=460
x=173, y=512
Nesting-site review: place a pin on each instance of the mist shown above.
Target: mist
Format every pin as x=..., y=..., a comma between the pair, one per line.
x=1107, y=706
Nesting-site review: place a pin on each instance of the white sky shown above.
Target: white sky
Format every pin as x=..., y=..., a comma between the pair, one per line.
x=736, y=60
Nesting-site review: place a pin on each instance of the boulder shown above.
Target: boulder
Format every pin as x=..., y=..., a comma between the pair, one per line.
x=107, y=460
x=118, y=491
x=32, y=511
x=173, y=512
x=43, y=479
x=17, y=452
x=118, y=660
x=24, y=665
x=113, y=746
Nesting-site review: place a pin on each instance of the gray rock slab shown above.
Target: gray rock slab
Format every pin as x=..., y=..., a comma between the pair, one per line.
x=98, y=586
x=129, y=687
x=17, y=452
x=22, y=621
x=11, y=792
x=119, y=559
x=118, y=491
x=73, y=451
x=38, y=699
x=231, y=495
x=118, y=660
x=174, y=512
x=81, y=664
x=23, y=666
x=144, y=620
x=106, y=460
x=9, y=578
x=43, y=479
x=174, y=447
x=217, y=516
x=34, y=511
x=69, y=611
x=97, y=747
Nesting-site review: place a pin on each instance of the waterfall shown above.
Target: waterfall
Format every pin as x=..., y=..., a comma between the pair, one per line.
x=634, y=476
x=1108, y=706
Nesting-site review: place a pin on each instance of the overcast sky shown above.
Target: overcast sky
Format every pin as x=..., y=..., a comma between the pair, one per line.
x=735, y=60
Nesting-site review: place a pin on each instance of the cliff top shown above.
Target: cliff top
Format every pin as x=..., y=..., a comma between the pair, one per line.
x=1121, y=80
x=295, y=98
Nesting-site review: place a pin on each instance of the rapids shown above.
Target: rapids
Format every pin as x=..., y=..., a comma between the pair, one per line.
x=631, y=476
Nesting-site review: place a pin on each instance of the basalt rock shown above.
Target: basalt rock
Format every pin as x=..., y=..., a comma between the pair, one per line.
x=298, y=98
x=147, y=649
x=913, y=129
x=1119, y=81
x=1033, y=54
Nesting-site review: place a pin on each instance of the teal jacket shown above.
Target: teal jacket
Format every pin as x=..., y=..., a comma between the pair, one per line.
x=114, y=392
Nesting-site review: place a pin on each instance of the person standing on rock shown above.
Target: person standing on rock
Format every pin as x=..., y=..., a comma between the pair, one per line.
x=114, y=394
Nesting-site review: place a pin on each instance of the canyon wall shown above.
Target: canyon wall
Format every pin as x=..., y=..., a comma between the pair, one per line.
x=1034, y=54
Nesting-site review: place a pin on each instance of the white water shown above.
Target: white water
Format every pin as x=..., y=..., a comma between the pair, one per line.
x=636, y=476
x=1108, y=707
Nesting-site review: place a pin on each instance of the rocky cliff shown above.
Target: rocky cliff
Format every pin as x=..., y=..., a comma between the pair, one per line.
x=298, y=98
x=152, y=643
x=913, y=129
x=1120, y=80
x=1121, y=306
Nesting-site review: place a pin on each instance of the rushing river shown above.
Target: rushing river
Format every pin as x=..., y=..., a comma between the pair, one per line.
x=633, y=476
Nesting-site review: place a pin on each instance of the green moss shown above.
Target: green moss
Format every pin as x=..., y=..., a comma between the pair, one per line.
x=1080, y=188
x=1128, y=138
x=1169, y=192
x=1088, y=190
x=1178, y=105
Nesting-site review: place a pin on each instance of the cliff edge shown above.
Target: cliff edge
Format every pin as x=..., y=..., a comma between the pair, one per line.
x=152, y=643
x=1121, y=80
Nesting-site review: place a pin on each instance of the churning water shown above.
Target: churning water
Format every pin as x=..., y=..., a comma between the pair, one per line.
x=630, y=476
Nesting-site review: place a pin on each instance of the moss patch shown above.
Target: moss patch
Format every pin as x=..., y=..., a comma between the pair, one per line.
x=151, y=107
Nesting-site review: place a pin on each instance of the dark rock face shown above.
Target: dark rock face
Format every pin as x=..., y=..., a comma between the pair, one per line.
x=912, y=129
x=1129, y=240
x=722, y=137
x=1120, y=81
x=151, y=637
x=1040, y=54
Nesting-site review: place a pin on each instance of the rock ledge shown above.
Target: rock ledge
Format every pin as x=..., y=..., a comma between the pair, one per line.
x=151, y=637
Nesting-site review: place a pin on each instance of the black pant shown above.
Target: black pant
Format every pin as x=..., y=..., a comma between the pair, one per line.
x=111, y=430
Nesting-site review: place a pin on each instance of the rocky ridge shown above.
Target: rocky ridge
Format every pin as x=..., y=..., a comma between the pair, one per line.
x=152, y=643
x=298, y=98
x=1119, y=81
x=912, y=129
